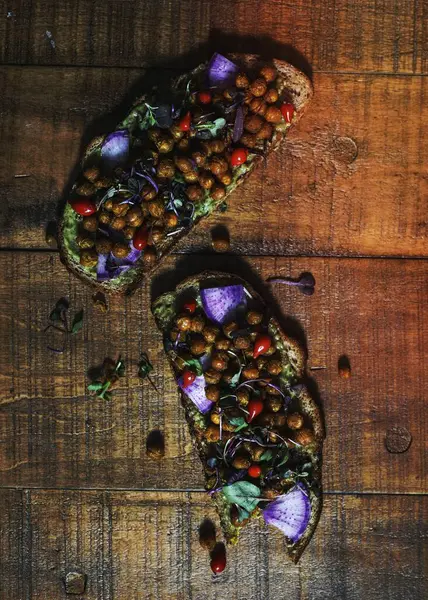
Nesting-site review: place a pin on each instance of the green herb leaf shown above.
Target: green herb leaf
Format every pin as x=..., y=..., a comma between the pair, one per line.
x=133, y=185
x=242, y=493
x=119, y=367
x=242, y=514
x=235, y=379
x=212, y=126
x=223, y=207
x=77, y=322
x=285, y=456
x=95, y=387
x=144, y=366
x=194, y=365
x=60, y=307
x=267, y=455
x=236, y=421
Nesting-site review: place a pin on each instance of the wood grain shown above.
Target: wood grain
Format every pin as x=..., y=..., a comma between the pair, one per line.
x=54, y=434
x=350, y=180
x=145, y=545
x=344, y=36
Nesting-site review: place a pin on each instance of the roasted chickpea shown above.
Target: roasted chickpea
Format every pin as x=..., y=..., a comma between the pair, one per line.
x=243, y=396
x=214, y=416
x=91, y=174
x=194, y=193
x=223, y=344
x=108, y=204
x=119, y=208
x=183, y=164
x=254, y=317
x=226, y=178
x=206, y=180
x=173, y=334
x=90, y=223
x=212, y=433
x=212, y=376
x=249, y=140
x=268, y=73
x=166, y=168
x=250, y=372
x=154, y=134
x=253, y=123
x=219, y=361
x=270, y=351
x=218, y=192
x=248, y=97
x=157, y=234
x=183, y=144
x=229, y=95
x=212, y=392
x=304, y=437
x=261, y=362
x=191, y=177
x=104, y=217
x=210, y=333
x=266, y=420
x=258, y=87
x=84, y=241
x=183, y=322
x=273, y=115
x=104, y=246
x=176, y=132
x=198, y=345
x=129, y=232
x=118, y=223
x=280, y=420
x=242, y=81
x=148, y=192
x=149, y=256
x=234, y=517
x=206, y=149
x=271, y=96
x=274, y=367
x=221, y=244
x=134, y=217
x=86, y=189
x=241, y=461
x=217, y=146
x=258, y=106
x=274, y=404
x=164, y=145
x=120, y=250
x=156, y=208
x=199, y=158
x=242, y=342
x=270, y=494
x=229, y=328
x=217, y=165
x=197, y=324
x=102, y=182
x=272, y=391
x=171, y=220
x=88, y=258
x=295, y=421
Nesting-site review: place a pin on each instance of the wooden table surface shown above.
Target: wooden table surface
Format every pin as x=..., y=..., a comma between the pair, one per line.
x=345, y=198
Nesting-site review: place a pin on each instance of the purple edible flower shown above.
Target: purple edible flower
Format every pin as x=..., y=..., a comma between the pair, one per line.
x=115, y=149
x=290, y=513
x=221, y=71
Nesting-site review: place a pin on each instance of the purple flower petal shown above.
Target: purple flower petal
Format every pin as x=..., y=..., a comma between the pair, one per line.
x=220, y=303
x=290, y=513
x=221, y=71
x=238, y=127
x=196, y=392
x=115, y=149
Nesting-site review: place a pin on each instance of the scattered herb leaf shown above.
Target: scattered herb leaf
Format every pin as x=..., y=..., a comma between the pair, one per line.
x=144, y=368
x=194, y=365
x=243, y=493
x=267, y=455
x=111, y=376
x=77, y=324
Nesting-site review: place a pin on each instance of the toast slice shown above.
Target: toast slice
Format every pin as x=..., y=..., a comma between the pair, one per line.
x=171, y=162
x=253, y=422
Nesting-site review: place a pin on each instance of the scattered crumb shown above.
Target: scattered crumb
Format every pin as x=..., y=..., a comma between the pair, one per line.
x=50, y=38
x=344, y=367
x=100, y=302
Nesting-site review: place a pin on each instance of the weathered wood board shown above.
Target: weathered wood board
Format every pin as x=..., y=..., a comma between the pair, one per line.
x=54, y=434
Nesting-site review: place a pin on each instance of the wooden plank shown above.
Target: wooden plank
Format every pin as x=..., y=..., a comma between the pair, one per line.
x=351, y=36
x=351, y=180
x=54, y=434
x=145, y=545
x=11, y=544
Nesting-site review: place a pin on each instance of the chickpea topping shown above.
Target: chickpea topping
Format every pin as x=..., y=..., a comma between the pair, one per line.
x=206, y=148
x=199, y=158
x=223, y=344
x=225, y=178
x=171, y=220
x=86, y=189
x=272, y=391
x=221, y=244
x=90, y=223
x=266, y=420
x=104, y=217
x=304, y=437
x=253, y=123
x=148, y=192
x=274, y=367
x=212, y=433
x=184, y=164
x=166, y=168
x=242, y=81
x=118, y=223
x=119, y=209
x=280, y=420
x=268, y=73
x=242, y=342
x=265, y=132
x=157, y=234
x=91, y=174
x=154, y=134
x=84, y=241
x=241, y=462
x=218, y=192
x=228, y=95
x=120, y=250
x=254, y=317
x=88, y=258
x=243, y=396
x=206, y=180
x=165, y=145
x=210, y=333
x=212, y=392
x=261, y=362
x=194, y=193
x=218, y=165
x=129, y=232
x=103, y=246
x=198, y=345
x=295, y=421
x=273, y=115
x=149, y=256
x=156, y=208
x=217, y=146
x=102, y=182
x=176, y=132
x=183, y=322
x=270, y=350
x=183, y=144
x=271, y=96
x=249, y=140
x=274, y=404
x=229, y=328
x=197, y=324
x=219, y=361
x=134, y=217
x=258, y=87
x=212, y=376
x=214, y=417
x=191, y=177
x=251, y=371
x=108, y=204
x=258, y=106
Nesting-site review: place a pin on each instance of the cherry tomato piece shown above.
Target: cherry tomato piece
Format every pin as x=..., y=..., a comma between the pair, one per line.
x=185, y=122
x=190, y=306
x=262, y=344
x=204, y=97
x=287, y=111
x=254, y=471
x=188, y=378
x=141, y=238
x=83, y=206
x=239, y=156
x=218, y=560
x=255, y=407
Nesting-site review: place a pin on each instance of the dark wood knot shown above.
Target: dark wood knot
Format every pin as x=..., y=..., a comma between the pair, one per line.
x=75, y=583
x=345, y=149
x=398, y=440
